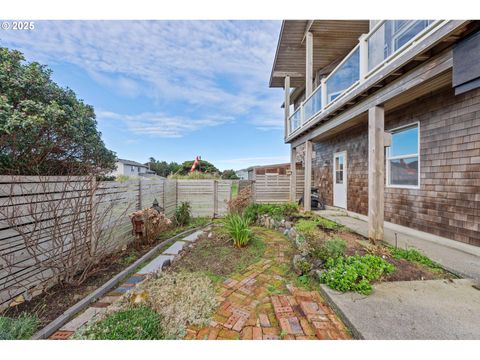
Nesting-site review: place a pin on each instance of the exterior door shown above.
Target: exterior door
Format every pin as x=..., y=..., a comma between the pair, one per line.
x=340, y=179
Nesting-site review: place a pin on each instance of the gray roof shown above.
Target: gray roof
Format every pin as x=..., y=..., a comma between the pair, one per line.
x=131, y=162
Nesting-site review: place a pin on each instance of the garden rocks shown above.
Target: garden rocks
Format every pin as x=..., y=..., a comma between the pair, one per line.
x=301, y=265
x=302, y=245
x=292, y=234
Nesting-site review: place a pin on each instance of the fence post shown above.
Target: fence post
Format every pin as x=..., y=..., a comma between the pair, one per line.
x=164, y=196
x=91, y=199
x=215, y=198
x=140, y=194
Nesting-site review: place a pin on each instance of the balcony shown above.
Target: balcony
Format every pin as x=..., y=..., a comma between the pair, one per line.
x=386, y=40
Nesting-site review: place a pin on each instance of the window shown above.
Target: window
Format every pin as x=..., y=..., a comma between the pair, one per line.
x=403, y=167
x=339, y=169
x=132, y=168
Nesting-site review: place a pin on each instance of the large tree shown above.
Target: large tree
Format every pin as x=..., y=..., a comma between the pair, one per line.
x=203, y=167
x=45, y=129
x=163, y=168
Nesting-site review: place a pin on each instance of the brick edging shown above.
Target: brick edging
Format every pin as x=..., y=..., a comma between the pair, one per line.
x=53, y=326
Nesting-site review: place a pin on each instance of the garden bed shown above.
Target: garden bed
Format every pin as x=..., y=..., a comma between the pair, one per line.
x=51, y=304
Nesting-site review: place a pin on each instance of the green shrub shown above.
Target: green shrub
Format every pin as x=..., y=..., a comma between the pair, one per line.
x=306, y=227
x=276, y=211
x=355, y=273
x=331, y=249
x=304, y=266
x=238, y=227
x=20, y=328
x=183, y=214
x=134, y=323
x=414, y=256
x=327, y=224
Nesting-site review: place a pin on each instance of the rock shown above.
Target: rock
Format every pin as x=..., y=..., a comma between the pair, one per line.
x=318, y=273
x=288, y=224
x=210, y=235
x=285, y=232
x=301, y=265
x=292, y=234
x=317, y=263
x=302, y=245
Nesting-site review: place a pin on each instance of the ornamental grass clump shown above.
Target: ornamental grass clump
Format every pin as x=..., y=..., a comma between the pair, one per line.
x=20, y=328
x=181, y=299
x=183, y=214
x=238, y=227
x=355, y=273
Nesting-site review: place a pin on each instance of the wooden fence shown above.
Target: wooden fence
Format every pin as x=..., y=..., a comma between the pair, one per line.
x=40, y=217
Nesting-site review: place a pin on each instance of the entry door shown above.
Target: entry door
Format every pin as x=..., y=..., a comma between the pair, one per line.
x=340, y=179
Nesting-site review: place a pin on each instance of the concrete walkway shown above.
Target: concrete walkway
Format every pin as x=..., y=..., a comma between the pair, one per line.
x=459, y=258
x=417, y=310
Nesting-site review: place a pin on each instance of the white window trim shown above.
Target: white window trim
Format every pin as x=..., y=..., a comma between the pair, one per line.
x=388, y=158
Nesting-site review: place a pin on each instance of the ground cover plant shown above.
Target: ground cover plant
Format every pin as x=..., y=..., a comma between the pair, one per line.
x=355, y=273
x=20, y=328
x=133, y=323
x=415, y=256
x=276, y=211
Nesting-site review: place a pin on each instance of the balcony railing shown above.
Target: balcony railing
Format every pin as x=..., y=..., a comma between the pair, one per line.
x=386, y=40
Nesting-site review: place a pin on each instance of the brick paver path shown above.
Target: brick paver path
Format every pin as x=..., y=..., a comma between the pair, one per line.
x=260, y=303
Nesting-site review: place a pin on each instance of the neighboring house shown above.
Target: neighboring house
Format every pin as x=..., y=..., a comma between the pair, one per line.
x=274, y=169
x=387, y=117
x=130, y=168
x=242, y=174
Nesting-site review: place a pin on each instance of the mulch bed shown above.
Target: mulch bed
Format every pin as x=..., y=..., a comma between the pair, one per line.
x=57, y=299
x=216, y=255
x=405, y=270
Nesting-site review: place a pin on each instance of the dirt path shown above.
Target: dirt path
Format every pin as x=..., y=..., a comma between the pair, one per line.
x=261, y=303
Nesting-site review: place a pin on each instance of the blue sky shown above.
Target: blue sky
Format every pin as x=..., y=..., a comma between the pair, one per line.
x=170, y=89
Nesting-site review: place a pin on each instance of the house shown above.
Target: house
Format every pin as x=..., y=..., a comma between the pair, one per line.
x=130, y=168
x=386, y=115
x=242, y=174
x=274, y=169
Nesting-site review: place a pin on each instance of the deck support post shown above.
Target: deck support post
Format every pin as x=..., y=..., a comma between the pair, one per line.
x=376, y=172
x=287, y=105
x=308, y=64
x=293, y=175
x=307, y=191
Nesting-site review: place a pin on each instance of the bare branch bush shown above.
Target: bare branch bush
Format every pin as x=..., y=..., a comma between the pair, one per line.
x=58, y=228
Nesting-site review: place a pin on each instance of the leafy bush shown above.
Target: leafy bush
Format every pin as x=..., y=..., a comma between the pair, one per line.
x=183, y=214
x=154, y=223
x=354, y=273
x=181, y=299
x=304, y=266
x=276, y=211
x=413, y=255
x=238, y=204
x=327, y=224
x=134, y=323
x=238, y=227
x=306, y=227
x=331, y=249
x=20, y=328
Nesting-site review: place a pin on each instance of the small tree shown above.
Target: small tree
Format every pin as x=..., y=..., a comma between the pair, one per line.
x=45, y=129
x=229, y=175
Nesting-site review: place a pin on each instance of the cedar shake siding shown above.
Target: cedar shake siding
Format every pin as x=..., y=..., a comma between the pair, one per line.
x=448, y=201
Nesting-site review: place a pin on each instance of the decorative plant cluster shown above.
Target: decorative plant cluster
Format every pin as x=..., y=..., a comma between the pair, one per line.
x=238, y=227
x=183, y=214
x=137, y=322
x=276, y=211
x=20, y=328
x=330, y=249
x=414, y=256
x=355, y=273
x=149, y=224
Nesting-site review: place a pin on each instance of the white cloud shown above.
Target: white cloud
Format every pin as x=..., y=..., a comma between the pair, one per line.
x=216, y=68
x=239, y=163
x=161, y=125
